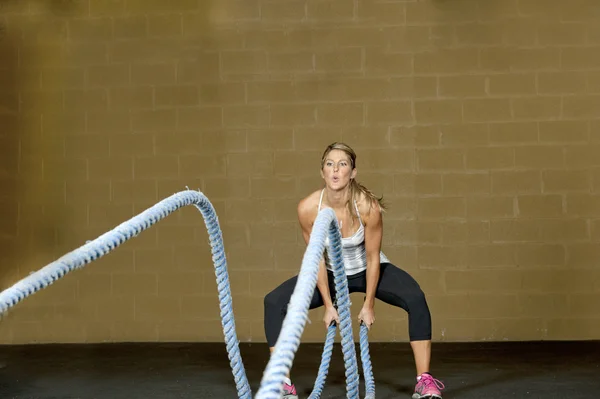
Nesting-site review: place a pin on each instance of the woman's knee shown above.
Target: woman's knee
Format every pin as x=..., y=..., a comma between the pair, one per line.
x=416, y=301
x=270, y=300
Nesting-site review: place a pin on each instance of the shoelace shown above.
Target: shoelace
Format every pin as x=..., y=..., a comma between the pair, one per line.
x=429, y=380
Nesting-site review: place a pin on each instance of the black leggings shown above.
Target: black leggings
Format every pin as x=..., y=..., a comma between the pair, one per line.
x=395, y=287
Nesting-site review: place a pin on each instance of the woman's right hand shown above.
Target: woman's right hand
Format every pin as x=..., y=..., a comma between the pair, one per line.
x=330, y=316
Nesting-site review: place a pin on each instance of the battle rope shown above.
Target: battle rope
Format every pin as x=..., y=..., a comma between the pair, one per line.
x=283, y=354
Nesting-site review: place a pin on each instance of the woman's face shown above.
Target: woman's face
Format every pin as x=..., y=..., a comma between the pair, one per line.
x=337, y=170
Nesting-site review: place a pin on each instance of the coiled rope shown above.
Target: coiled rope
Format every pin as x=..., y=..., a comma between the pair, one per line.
x=293, y=325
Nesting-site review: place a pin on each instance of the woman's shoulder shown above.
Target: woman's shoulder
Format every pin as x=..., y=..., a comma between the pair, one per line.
x=366, y=205
x=308, y=206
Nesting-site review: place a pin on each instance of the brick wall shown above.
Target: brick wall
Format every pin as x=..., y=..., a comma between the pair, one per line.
x=477, y=120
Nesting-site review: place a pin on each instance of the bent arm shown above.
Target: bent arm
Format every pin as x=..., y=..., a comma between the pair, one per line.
x=373, y=237
x=322, y=283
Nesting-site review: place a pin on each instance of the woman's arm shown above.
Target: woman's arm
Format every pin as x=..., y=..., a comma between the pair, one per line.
x=304, y=217
x=373, y=236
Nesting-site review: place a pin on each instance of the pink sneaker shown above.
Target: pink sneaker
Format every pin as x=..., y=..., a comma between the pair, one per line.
x=428, y=388
x=289, y=391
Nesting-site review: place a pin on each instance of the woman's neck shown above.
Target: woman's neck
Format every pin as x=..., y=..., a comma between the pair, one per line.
x=337, y=199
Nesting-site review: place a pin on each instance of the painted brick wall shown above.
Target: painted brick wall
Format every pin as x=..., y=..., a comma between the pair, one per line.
x=478, y=120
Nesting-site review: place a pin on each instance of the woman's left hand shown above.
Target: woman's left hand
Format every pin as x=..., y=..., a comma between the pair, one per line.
x=367, y=316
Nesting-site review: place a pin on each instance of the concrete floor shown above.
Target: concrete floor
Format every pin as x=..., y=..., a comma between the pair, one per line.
x=129, y=371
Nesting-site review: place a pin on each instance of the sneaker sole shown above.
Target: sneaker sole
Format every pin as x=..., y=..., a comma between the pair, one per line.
x=417, y=396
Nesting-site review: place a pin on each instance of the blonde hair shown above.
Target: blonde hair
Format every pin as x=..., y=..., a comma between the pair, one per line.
x=355, y=187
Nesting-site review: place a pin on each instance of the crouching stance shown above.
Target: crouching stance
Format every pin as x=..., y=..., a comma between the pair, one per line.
x=368, y=270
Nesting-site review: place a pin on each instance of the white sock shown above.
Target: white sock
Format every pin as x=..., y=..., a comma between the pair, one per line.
x=287, y=381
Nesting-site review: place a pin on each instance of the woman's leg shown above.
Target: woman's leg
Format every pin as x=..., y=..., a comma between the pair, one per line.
x=275, y=308
x=398, y=288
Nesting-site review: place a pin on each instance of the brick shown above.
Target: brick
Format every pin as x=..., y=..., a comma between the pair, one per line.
x=463, y=135
x=246, y=116
x=89, y=146
x=205, y=70
x=440, y=257
x=127, y=145
x=165, y=96
x=490, y=158
x=585, y=106
x=293, y=115
x=345, y=59
x=581, y=155
x=462, y=86
x=258, y=163
x=579, y=58
x=445, y=207
x=420, y=184
x=147, y=121
x=115, y=168
x=92, y=99
x=491, y=255
x=341, y=114
x=384, y=113
x=224, y=93
x=564, y=181
x=512, y=83
x=582, y=255
x=276, y=138
x=62, y=78
x=582, y=204
x=564, y=229
x=243, y=62
x=564, y=131
x=539, y=157
x=561, y=82
x=190, y=118
x=514, y=182
x=593, y=81
x=546, y=255
x=536, y=108
x=381, y=13
x=513, y=132
x=505, y=281
x=385, y=160
x=463, y=184
x=415, y=136
x=561, y=34
x=192, y=166
x=490, y=207
x=291, y=61
x=275, y=11
x=447, y=61
x=520, y=60
x=78, y=191
x=165, y=25
x=487, y=110
x=108, y=75
x=157, y=167
x=438, y=111
x=140, y=97
x=540, y=205
x=379, y=62
x=366, y=137
x=153, y=74
x=441, y=159
x=515, y=230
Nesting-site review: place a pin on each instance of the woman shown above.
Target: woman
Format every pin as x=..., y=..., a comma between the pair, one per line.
x=369, y=271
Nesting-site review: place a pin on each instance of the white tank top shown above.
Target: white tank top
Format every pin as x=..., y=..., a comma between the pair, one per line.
x=353, y=248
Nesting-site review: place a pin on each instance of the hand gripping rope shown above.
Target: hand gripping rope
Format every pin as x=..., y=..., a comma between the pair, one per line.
x=285, y=349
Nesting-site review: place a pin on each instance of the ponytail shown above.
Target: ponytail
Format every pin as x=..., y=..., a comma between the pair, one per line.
x=355, y=190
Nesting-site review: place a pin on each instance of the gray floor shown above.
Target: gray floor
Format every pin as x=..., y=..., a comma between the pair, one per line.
x=128, y=371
